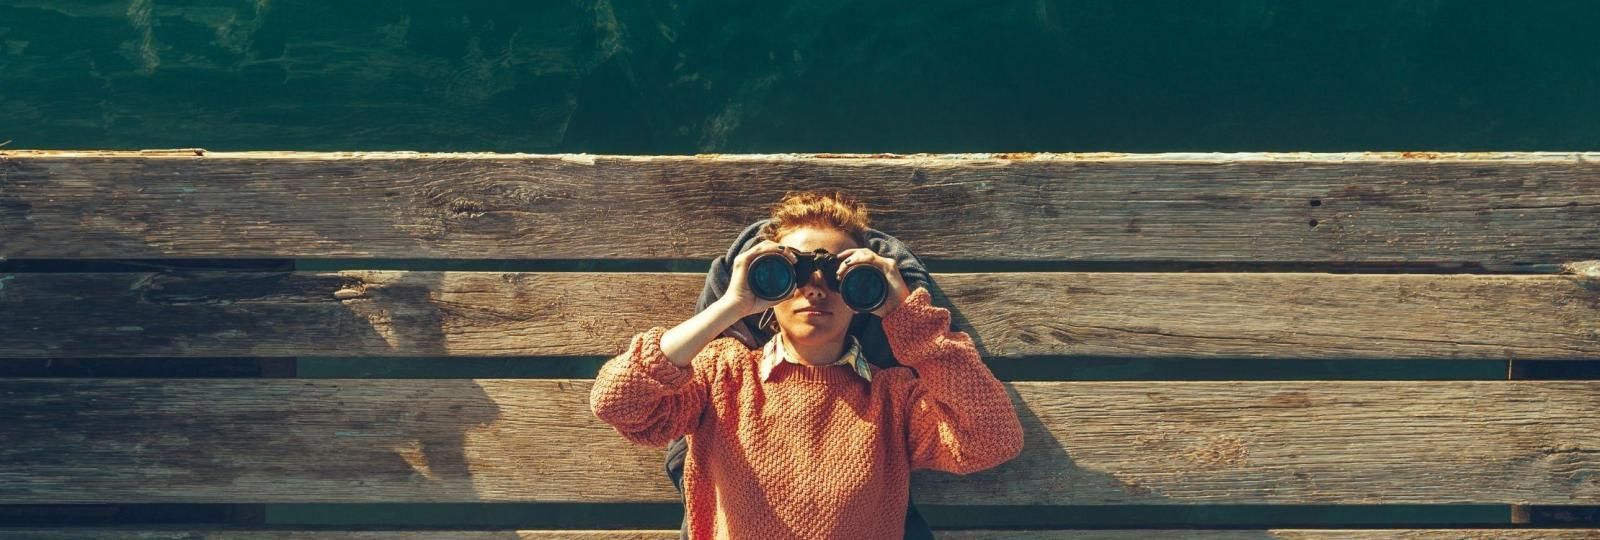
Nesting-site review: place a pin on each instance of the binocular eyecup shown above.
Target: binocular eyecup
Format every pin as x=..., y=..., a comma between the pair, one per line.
x=771, y=277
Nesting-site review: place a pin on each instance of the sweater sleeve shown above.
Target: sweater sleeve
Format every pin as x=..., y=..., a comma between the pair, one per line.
x=960, y=416
x=647, y=398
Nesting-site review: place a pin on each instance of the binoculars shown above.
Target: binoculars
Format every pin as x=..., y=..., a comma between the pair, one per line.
x=771, y=277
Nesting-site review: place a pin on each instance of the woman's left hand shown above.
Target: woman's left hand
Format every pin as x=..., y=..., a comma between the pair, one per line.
x=898, y=290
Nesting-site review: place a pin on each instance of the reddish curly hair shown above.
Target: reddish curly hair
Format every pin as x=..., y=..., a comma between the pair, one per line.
x=832, y=209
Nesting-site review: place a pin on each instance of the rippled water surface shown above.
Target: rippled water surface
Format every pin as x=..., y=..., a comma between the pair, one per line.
x=824, y=75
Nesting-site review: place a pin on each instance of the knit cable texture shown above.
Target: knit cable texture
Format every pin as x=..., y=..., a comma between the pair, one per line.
x=816, y=452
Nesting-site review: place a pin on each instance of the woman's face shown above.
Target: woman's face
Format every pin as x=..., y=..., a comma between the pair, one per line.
x=813, y=292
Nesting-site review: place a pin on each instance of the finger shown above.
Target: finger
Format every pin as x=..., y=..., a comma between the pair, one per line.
x=858, y=257
x=781, y=251
x=763, y=248
x=844, y=261
x=744, y=259
x=866, y=257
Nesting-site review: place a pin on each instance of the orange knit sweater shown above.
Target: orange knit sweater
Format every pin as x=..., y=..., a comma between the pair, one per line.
x=816, y=452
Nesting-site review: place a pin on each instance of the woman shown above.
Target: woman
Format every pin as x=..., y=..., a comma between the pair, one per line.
x=803, y=438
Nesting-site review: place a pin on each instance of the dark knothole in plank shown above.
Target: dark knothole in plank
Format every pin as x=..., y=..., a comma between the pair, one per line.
x=1313, y=223
x=1316, y=202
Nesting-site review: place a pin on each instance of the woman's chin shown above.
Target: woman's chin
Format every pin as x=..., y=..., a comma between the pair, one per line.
x=806, y=331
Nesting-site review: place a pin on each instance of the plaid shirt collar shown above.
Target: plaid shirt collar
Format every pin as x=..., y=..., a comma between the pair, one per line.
x=773, y=354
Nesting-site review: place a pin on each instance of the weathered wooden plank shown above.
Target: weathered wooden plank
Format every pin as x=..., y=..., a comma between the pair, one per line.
x=231, y=534
x=1284, y=534
x=396, y=313
x=1077, y=534
x=388, y=440
x=1498, y=210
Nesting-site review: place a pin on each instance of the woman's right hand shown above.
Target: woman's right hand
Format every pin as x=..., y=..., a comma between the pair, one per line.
x=739, y=294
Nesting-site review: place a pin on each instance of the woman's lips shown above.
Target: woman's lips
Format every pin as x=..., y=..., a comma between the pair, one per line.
x=813, y=312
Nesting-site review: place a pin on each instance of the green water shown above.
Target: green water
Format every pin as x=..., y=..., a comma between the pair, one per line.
x=825, y=75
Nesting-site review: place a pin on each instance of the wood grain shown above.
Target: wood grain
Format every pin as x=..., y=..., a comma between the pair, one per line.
x=1494, y=210
x=1130, y=314
x=1089, y=443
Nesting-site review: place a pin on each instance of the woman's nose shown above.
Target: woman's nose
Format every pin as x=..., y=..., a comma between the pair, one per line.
x=814, y=283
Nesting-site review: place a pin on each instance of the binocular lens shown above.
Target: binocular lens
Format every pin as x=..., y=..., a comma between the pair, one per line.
x=863, y=287
x=771, y=277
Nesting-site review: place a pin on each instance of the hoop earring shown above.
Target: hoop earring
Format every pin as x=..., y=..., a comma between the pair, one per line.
x=769, y=321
